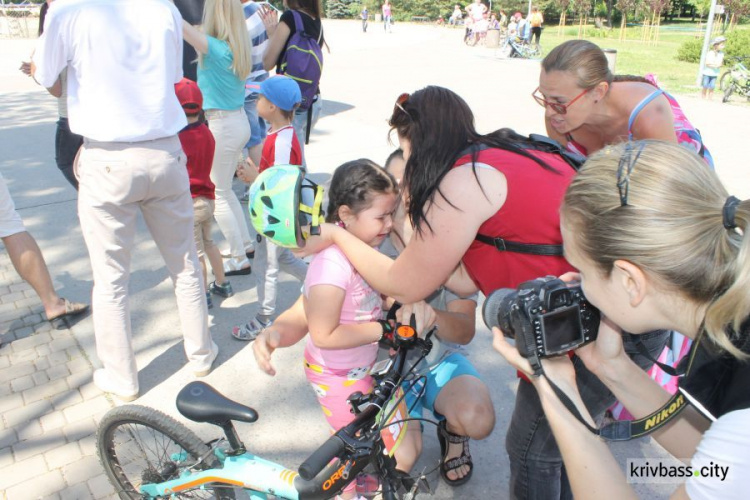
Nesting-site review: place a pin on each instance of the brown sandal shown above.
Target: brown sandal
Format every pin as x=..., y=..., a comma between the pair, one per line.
x=72, y=309
x=444, y=437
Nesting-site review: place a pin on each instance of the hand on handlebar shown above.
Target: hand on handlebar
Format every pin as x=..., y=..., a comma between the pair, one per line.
x=424, y=316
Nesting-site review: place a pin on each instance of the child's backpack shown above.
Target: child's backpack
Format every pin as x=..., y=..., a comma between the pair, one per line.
x=303, y=61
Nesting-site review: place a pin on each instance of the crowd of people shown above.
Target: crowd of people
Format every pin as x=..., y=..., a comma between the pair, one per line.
x=655, y=240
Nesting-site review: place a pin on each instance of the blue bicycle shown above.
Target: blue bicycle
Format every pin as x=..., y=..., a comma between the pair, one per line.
x=147, y=454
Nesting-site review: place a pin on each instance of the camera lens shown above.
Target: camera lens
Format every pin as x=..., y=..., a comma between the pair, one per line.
x=496, y=308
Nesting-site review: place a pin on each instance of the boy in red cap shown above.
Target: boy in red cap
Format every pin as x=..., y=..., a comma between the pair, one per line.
x=198, y=144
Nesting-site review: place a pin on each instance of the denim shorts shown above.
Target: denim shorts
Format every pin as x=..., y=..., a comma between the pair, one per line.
x=453, y=366
x=709, y=82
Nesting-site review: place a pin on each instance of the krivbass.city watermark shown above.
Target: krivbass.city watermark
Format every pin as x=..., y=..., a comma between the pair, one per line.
x=662, y=470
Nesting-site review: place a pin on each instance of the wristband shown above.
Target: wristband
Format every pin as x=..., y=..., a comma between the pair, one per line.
x=387, y=329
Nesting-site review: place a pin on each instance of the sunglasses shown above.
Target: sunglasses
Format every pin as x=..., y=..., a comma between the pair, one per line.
x=558, y=108
x=627, y=162
x=400, y=102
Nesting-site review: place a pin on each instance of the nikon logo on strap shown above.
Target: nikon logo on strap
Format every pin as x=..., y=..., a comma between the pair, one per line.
x=662, y=416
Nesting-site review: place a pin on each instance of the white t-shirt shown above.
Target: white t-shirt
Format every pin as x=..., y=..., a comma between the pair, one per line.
x=123, y=59
x=477, y=10
x=725, y=444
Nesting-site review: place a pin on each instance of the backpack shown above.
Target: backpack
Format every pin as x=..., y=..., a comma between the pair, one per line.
x=303, y=61
x=536, y=142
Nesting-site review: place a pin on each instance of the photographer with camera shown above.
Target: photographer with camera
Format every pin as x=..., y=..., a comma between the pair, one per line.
x=659, y=244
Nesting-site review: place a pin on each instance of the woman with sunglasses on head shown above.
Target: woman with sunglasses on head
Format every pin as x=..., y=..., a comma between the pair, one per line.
x=668, y=249
x=587, y=107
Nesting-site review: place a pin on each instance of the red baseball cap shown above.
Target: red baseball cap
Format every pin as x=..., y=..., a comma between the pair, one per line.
x=189, y=95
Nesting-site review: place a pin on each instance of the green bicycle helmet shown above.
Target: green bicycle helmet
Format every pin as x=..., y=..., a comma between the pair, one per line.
x=285, y=207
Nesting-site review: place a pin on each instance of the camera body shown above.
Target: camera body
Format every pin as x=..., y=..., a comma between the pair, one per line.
x=546, y=316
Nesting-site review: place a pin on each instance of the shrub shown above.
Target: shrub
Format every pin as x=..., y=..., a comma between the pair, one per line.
x=738, y=44
x=690, y=51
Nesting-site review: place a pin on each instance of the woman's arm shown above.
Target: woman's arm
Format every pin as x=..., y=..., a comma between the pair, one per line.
x=639, y=393
x=655, y=121
x=278, y=34
x=195, y=37
x=461, y=283
x=592, y=470
x=323, y=309
x=430, y=257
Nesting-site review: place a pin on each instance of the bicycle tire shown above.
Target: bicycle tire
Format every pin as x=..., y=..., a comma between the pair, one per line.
x=728, y=92
x=149, y=432
x=723, y=80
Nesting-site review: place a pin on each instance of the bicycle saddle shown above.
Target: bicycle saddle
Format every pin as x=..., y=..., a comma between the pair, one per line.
x=200, y=402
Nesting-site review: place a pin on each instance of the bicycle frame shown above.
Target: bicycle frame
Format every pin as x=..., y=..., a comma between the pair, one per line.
x=361, y=444
x=261, y=477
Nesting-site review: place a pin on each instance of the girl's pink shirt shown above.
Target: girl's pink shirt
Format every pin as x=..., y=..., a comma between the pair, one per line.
x=361, y=304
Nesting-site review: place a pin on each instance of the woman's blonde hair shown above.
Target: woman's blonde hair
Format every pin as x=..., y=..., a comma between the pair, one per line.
x=224, y=20
x=582, y=58
x=671, y=226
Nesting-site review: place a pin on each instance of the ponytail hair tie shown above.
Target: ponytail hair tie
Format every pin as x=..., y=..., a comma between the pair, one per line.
x=729, y=211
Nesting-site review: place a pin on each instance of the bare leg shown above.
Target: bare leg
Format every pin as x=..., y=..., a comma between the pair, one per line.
x=29, y=262
x=214, y=258
x=466, y=405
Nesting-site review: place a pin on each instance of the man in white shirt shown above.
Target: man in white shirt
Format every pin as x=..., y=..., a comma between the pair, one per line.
x=123, y=59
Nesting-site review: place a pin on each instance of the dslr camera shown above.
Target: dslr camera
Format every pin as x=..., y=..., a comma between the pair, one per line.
x=546, y=316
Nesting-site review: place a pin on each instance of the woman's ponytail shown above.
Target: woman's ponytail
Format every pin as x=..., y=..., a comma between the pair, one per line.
x=732, y=307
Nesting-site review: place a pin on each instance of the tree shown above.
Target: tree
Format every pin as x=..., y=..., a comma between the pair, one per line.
x=582, y=8
x=737, y=9
x=625, y=6
x=339, y=9
x=563, y=6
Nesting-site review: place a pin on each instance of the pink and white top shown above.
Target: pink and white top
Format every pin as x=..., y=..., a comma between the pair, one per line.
x=361, y=304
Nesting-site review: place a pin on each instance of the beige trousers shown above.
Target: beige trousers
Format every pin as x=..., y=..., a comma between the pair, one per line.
x=116, y=181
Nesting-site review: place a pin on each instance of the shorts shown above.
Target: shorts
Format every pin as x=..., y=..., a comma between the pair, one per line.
x=453, y=366
x=203, y=213
x=709, y=82
x=10, y=221
x=258, y=127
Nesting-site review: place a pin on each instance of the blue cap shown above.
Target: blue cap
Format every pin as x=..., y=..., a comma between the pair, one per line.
x=281, y=91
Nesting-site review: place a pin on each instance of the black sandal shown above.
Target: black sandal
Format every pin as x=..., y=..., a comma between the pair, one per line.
x=444, y=437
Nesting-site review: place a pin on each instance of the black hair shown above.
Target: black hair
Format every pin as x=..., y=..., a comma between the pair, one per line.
x=311, y=6
x=353, y=185
x=42, y=16
x=440, y=127
x=396, y=154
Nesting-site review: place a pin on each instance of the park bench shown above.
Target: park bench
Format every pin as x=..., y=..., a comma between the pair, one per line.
x=420, y=19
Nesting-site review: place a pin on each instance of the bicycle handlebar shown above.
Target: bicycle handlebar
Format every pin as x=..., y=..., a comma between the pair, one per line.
x=315, y=463
x=336, y=445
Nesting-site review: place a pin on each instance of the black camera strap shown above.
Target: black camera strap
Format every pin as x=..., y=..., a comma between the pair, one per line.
x=624, y=430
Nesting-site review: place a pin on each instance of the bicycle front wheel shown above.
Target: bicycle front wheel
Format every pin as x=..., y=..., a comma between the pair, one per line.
x=139, y=445
x=725, y=80
x=728, y=91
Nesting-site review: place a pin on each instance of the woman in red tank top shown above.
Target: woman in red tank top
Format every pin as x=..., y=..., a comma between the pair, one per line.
x=460, y=184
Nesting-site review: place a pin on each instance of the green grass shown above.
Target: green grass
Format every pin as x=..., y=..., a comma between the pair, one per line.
x=635, y=57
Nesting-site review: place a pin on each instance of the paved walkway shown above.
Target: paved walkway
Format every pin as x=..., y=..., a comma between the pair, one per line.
x=49, y=407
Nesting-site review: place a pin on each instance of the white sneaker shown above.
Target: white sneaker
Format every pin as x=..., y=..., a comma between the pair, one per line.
x=235, y=267
x=208, y=365
x=104, y=382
